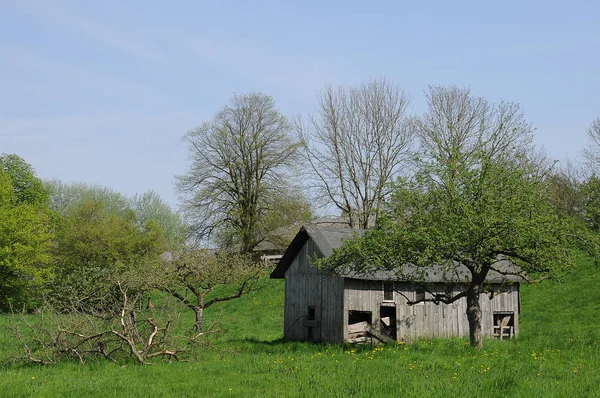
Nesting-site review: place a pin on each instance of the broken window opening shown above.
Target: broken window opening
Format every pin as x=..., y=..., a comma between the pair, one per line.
x=359, y=326
x=359, y=316
x=311, y=313
x=388, y=291
x=311, y=323
x=504, y=325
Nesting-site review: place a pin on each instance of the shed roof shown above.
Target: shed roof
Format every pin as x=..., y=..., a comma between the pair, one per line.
x=327, y=238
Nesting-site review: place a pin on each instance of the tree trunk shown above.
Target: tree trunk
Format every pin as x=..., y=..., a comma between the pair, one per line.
x=199, y=310
x=474, y=317
x=199, y=314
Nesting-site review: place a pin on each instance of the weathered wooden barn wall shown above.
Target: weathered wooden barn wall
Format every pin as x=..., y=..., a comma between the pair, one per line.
x=305, y=287
x=428, y=319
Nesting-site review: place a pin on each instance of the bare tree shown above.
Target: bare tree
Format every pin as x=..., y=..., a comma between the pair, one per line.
x=192, y=275
x=122, y=329
x=356, y=145
x=239, y=160
x=564, y=186
x=592, y=152
x=459, y=128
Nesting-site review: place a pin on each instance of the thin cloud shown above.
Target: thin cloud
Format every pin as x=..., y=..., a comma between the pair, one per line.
x=73, y=81
x=65, y=18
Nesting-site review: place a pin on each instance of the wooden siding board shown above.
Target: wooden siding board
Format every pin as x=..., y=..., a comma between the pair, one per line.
x=332, y=305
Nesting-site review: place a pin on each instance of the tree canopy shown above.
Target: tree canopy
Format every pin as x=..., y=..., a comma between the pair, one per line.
x=28, y=188
x=26, y=238
x=239, y=162
x=95, y=246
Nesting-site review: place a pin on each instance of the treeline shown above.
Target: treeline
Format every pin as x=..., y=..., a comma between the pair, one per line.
x=346, y=157
x=89, y=260
x=58, y=238
x=255, y=175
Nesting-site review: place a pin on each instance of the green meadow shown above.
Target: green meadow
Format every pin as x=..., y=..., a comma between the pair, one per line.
x=556, y=355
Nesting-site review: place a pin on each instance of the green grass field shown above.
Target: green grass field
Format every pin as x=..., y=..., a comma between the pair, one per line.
x=556, y=355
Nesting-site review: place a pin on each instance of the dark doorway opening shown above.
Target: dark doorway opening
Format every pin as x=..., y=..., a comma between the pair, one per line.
x=387, y=316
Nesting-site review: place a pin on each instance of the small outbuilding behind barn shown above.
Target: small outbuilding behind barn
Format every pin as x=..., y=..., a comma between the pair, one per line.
x=347, y=307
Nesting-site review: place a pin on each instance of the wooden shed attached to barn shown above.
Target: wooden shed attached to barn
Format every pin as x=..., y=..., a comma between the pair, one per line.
x=347, y=307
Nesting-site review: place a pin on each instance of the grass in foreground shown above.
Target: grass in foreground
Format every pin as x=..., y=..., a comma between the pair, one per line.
x=557, y=354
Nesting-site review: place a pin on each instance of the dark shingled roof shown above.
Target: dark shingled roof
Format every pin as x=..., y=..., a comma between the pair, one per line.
x=327, y=238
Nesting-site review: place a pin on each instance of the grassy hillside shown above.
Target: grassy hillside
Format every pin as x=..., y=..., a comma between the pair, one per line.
x=557, y=354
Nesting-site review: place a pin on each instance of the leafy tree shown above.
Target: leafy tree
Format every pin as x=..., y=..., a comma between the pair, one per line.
x=148, y=207
x=26, y=239
x=63, y=196
x=106, y=261
x=151, y=209
x=476, y=199
x=565, y=190
x=239, y=161
x=28, y=188
x=95, y=246
x=104, y=237
x=356, y=145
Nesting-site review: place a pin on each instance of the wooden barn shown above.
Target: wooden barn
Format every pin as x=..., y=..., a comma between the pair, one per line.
x=353, y=308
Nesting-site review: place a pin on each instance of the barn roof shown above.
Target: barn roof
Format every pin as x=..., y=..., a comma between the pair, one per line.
x=327, y=238
x=458, y=273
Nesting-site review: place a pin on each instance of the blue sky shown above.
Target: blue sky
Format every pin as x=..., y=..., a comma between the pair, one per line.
x=102, y=92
